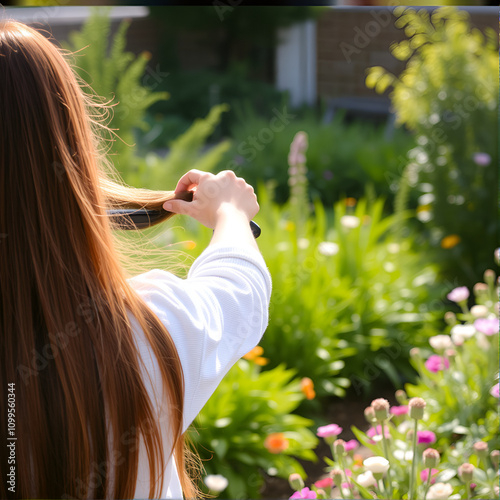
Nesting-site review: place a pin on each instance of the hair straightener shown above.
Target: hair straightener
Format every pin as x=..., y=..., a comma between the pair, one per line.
x=136, y=218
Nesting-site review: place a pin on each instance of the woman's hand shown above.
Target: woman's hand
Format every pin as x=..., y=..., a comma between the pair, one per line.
x=215, y=198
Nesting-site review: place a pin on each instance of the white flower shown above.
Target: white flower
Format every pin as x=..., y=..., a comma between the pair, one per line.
x=482, y=342
x=282, y=246
x=424, y=215
x=349, y=221
x=479, y=311
x=216, y=482
x=439, y=491
x=426, y=199
x=366, y=479
x=407, y=456
x=393, y=247
x=461, y=333
x=303, y=243
x=328, y=248
x=376, y=464
x=440, y=342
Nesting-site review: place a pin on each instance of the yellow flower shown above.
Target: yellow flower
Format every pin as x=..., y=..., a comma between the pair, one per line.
x=290, y=226
x=450, y=241
x=190, y=245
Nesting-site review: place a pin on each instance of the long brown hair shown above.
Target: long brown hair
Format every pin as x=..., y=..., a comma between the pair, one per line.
x=65, y=336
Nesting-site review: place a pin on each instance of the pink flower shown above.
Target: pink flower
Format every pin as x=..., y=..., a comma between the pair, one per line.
x=426, y=437
x=352, y=444
x=399, y=410
x=488, y=326
x=329, y=430
x=436, y=363
x=458, y=294
x=495, y=391
x=304, y=493
x=481, y=159
x=425, y=474
x=347, y=485
x=327, y=482
x=372, y=432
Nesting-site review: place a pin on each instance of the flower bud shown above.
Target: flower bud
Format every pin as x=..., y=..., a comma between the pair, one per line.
x=370, y=415
x=295, y=481
x=479, y=311
x=481, y=449
x=480, y=289
x=495, y=458
x=337, y=477
x=381, y=408
x=401, y=396
x=450, y=354
x=415, y=352
x=489, y=276
x=450, y=318
x=417, y=406
x=497, y=256
x=431, y=458
x=339, y=448
x=465, y=472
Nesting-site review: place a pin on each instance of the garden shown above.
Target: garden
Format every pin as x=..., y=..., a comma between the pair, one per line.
x=382, y=253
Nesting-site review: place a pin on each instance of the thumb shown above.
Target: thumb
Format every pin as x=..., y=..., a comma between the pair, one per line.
x=177, y=206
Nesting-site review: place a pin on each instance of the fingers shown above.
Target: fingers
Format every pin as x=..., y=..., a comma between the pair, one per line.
x=178, y=207
x=189, y=179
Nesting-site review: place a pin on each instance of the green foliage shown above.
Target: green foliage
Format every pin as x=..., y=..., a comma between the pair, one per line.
x=448, y=97
x=195, y=92
x=248, y=406
x=342, y=158
x=186, y=152
x=115, y=75
x=350, y=315
x=344, y=292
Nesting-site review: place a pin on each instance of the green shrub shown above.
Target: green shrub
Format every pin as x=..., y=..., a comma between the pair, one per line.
x=448, y=97
x=342, y=158
x=248, y=406
x=350, y=315
x=116, y=76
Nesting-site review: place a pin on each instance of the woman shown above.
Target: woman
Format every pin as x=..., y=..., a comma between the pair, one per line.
x=103, y=373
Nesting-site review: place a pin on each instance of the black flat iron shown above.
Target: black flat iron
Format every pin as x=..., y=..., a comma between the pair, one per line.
x=137, y=218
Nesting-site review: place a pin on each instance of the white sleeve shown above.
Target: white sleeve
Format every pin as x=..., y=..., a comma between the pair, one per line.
x=215, y=316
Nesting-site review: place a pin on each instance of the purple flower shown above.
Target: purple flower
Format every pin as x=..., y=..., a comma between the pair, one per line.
x=488, y=326
x=304, y=493
x=329, y=430
x=436, y=363
x=495, y=391
x=458, y=294
x=399, y=410
x=426, y=437
x=481, y=159
x=352, y=444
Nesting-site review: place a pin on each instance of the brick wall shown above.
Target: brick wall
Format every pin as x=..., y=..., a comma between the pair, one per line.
x=349, y=40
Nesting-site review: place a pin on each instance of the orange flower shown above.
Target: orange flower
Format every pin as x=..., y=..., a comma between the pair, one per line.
x=307, y=387
x=358, y=459
x=255, y=356
x=276, y=443
x=450, y=241
x=350, y=202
